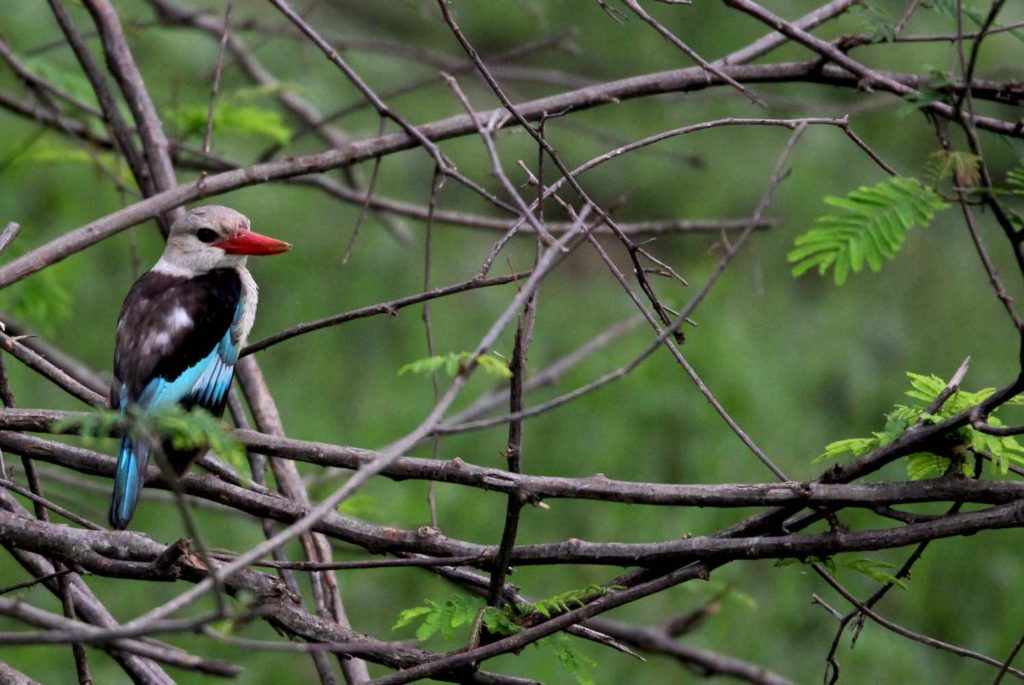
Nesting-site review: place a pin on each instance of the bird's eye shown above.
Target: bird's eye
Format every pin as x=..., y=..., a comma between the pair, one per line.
x=206, y=235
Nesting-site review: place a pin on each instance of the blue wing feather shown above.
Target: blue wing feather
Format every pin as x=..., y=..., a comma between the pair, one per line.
x=132, y=460
x=204, y=384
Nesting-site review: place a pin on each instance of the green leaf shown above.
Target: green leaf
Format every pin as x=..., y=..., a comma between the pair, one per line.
x=491, y=363
x=949, y=9
x=878, y=24
x=873, y=226
x=963, y=167
x=42, y=300
x=360, y=505
x=185, y=430
x=926, y=465
x=232, y=118
x=427, y=365
x=430, y=625
x=874, y=570
x=438, y=617
x=494, y=366
x=91, y=425
x=576, y=664
x=499, y=623
x=49, y=152
x=71, y=81
x=1015, y=179
x=407, y=616
x=856, y=446
x=938, y=88
x=566, y=601
x=1005, y=450
x=925, y=389
x=193, y=429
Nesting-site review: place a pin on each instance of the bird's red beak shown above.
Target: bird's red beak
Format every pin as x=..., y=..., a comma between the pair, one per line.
x=249, y=243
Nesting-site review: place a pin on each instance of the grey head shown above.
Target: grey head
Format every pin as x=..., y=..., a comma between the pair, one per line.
x=192, y=246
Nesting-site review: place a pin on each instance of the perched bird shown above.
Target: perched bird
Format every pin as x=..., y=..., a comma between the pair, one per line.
x=180, y=331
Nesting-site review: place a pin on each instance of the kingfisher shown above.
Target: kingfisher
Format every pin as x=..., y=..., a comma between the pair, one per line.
x=179, y=333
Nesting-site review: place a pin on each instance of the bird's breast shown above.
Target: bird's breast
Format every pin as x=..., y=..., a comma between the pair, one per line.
x=246, y=307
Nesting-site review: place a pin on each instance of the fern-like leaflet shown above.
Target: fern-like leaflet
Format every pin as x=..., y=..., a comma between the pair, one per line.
x=1015, y=179
x=872, y=227
x=1004, y=450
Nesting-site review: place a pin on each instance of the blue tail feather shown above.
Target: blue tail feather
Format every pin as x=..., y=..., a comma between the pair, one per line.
x=132, y=460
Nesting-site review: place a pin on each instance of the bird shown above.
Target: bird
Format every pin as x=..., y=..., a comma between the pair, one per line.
x=179, y=332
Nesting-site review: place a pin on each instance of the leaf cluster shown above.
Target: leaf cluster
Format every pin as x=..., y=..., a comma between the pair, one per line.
x=951, y=9
x=246, y=119
x=873, y=569
x=444, y=617
x=491, y=363
x=963, y=167
x=566, y=601
x=925, y=389
x=43, y=300
x=47, y=150
x=235, y=113
x=938, y=88
x=192, y=429
x=873, y=226
x=878, y=24
x=439, y=617
x=1015, y=180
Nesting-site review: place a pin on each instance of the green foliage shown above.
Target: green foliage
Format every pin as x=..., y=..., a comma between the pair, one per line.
x=71, y=81
x=230, y=117
x=99, y=423
x=963, y=167
x=42, y=300
x=938, y=88
x=722, y=592
x=878, y=24
x=446, y=616
x=924, y=465
x=185, y=430
x=876, y=570
x=359, y=505
x=566, y=601
x=437, y=617
x=1015, y=186
x=47, y=151
x=925, y=389
x=500, y=622
x=1015, y=180
x=949, y=9
x=856, y=446
x=873, y=226
x=491, y=363
x=577, y=664
x=443, y=617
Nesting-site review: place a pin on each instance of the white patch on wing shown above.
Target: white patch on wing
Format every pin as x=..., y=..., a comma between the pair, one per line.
x=157, y=343
x=178, y=319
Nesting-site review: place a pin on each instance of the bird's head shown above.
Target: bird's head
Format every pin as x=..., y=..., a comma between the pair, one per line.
x=214, y=237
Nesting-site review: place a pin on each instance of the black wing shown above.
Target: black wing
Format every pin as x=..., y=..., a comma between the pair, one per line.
x=168, y=324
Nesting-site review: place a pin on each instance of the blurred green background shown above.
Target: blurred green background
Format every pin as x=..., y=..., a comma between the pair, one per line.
x=798, y=363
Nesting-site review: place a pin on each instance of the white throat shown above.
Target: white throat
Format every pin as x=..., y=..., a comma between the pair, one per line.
x=165, y=266
x=250, y=296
